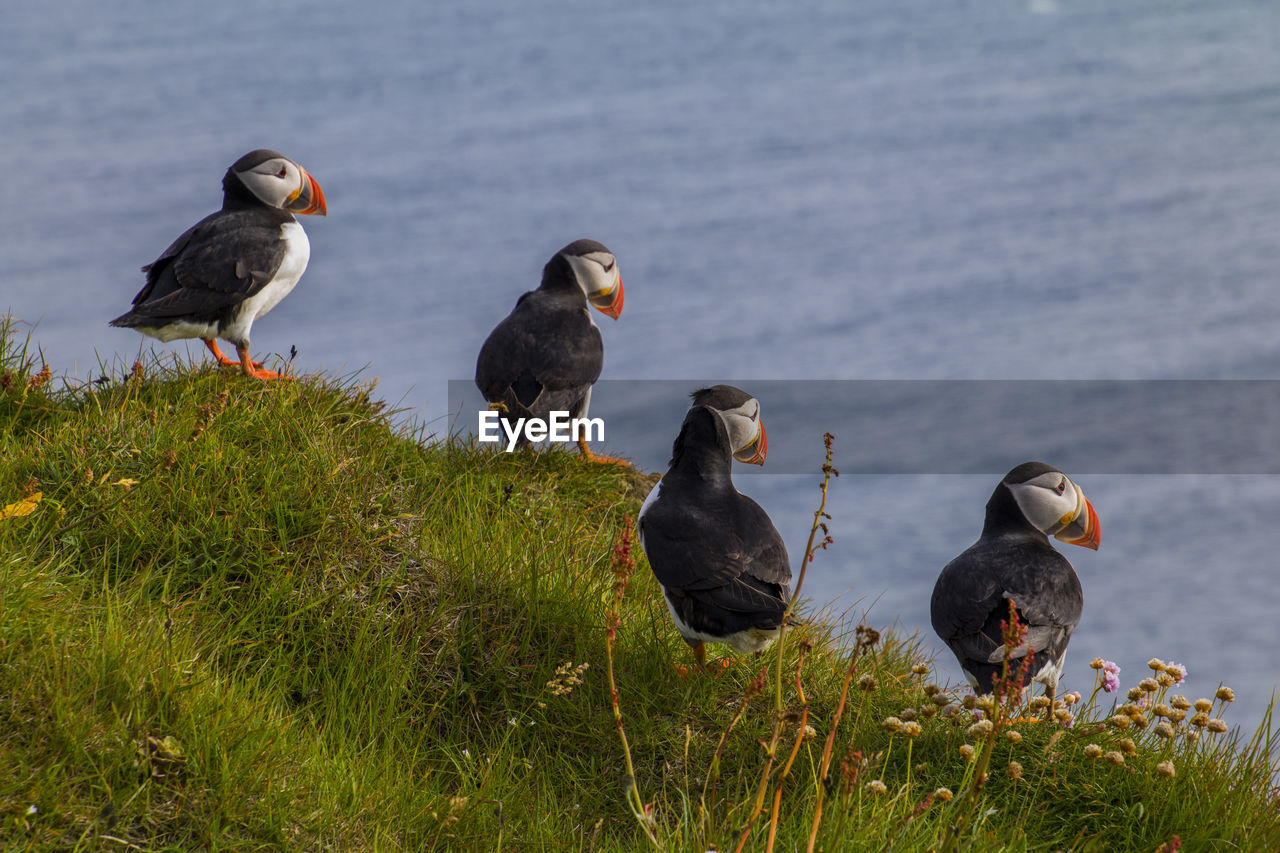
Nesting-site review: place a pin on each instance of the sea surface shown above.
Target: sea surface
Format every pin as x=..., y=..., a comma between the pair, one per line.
x=884, y=190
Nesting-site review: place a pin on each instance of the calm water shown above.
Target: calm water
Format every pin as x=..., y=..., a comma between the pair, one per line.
x=811, y=190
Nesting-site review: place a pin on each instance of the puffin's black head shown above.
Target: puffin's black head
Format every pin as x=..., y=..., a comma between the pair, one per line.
x=722, y=397
x=268, y=177
x=703, y=435
x=1047, y=500
x=592, y=268
x=741, y=415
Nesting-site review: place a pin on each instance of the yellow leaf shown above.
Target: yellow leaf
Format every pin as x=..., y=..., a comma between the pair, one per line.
x=26, y=506
x=126, y=482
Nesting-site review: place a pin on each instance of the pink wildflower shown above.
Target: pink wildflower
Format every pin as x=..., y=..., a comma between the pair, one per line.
x=1110, y=676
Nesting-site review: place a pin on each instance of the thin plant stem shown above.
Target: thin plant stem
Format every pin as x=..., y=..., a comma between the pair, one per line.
x=623, y=565
x=758, y=806
x=820, y=513
x=786, y=771
x=713, y=773
x=826, y=751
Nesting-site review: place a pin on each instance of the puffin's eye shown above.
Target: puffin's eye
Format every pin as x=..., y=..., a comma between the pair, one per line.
x=609, y=266
x=1061, y=487
x=282, y=172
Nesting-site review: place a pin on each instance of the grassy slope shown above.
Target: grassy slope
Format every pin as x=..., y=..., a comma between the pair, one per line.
x=253, y=616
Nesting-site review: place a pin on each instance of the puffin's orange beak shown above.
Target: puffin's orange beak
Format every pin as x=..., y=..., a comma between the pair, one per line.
x=1084, y=529
x=310, y=198
x=759, y=449
x=615, y=297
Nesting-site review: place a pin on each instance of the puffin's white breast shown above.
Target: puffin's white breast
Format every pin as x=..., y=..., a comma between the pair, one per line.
x=297, y=253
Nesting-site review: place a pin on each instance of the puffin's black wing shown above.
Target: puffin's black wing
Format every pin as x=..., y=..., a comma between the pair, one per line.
x=730, y=544
x=154, y=269
x=545, y=345
x=722, y=564
x=218, y=263
x=972, y=597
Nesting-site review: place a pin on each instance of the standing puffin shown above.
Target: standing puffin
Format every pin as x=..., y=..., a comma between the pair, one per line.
x=233, y=266
x=545, y=356
x=722, y=566
x=1013, y=561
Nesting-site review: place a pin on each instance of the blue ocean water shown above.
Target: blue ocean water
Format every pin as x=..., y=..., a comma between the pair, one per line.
x=812, y=190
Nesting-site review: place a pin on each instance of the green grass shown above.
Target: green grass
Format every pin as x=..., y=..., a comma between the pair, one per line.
x=256, y=616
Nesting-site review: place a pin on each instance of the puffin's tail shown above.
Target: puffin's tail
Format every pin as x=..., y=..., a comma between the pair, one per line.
x=129, y=320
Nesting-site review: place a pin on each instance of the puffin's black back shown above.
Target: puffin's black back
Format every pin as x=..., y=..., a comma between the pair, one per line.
x=715, y=551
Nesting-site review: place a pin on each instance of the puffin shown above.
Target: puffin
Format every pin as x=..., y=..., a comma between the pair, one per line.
x=721, y=563
x=547, y=353
x=235, y=265
x=1014, y=561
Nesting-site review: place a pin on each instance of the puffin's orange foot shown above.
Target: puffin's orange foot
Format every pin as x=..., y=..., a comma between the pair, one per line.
x=223, y=361
x=217, y=353
x=608, y=460
x=595, y=457
x=699, y=650
x=253, y=369
x=715, y=669
x=255, y=373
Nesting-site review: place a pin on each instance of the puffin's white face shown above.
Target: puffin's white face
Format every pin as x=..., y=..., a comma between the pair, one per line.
x=598, y=276
x=282, y=183
x=1057, y=507
x=746, y=432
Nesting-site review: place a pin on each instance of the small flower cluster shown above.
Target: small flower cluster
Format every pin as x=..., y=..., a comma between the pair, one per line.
x=42, y=378
x=566, y=678
x=998, y=726
x=622, y=564
x=1149, y=696
x=1149, y=702
x=207, y=413
x=1167, y=674
x=456, y=805
x=1110, y=674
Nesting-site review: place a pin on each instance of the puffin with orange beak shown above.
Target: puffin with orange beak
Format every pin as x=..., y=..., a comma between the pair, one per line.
x=721, y=563
x=548, y=352
x=1013, y=561
x=233, y=266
